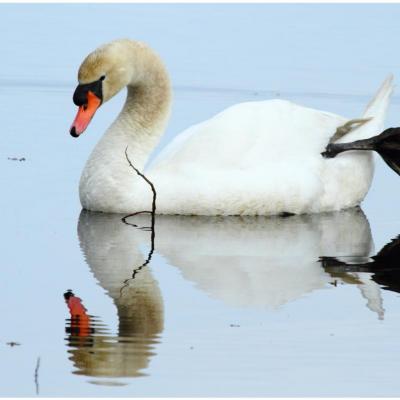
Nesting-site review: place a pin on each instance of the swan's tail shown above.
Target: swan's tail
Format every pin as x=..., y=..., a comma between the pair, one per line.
x=374, y=113
x=372, y=121
x=377, y=107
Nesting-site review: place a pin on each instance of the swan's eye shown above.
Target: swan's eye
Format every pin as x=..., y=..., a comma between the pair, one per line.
x=102, y=78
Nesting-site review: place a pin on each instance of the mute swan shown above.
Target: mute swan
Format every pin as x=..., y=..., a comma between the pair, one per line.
x=254, y=158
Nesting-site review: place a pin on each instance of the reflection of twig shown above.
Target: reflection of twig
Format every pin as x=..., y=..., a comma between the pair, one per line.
x=37, y=375
x=143, y=228
x=150, y=228
x=138, y=269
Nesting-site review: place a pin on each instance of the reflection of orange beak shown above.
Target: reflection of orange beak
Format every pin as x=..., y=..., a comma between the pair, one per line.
x=85, y=114
x=80, y=320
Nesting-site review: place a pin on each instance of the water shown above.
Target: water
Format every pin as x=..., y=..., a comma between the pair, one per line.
x=225, y=306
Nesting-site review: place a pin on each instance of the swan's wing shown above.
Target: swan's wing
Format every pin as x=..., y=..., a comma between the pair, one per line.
x=171, y=148
x=260, y=158
x=246, y=133
x=251, y=134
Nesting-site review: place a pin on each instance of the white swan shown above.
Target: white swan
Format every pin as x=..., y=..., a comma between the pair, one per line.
x=252, y=158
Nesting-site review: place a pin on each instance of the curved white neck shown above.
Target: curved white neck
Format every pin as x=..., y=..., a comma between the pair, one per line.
x=142, y=119
x=139, y=126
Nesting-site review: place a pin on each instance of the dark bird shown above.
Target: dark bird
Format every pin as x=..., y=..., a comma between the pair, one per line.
x=387, y=145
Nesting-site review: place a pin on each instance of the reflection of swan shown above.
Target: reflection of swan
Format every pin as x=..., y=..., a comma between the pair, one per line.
x=253, y=158
x=112, y=251
x=260, y=261
x=267, y=262
x=242, y=261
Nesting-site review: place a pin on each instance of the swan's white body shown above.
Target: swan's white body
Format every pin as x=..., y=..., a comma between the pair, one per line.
x=255, y=158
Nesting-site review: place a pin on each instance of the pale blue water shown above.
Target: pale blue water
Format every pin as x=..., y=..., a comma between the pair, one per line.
x=226, y=307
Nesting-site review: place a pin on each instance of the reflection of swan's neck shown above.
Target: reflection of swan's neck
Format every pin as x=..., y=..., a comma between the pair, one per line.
x=140, y=308
x=112, y=251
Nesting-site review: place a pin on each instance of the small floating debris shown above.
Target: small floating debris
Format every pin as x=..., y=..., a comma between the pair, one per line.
x=17, y=158
x=12, y=344
x=108, y=383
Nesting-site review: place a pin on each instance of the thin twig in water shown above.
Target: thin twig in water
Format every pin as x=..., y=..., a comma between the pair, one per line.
x=37, y=375
x=153, y=189
x=150, y=228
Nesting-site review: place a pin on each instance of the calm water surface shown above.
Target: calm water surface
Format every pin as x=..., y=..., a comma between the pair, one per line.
x=237, y=306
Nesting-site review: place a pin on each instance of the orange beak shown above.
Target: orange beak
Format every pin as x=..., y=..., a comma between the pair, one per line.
x=85, y=114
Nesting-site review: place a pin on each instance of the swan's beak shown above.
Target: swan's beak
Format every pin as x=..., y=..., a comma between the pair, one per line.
x=85, y=114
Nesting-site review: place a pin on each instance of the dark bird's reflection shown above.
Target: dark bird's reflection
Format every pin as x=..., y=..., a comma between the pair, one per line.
x=383, y=268
x=242, y=261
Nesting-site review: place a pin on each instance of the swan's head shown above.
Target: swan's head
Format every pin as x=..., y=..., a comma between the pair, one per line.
x=103, y=73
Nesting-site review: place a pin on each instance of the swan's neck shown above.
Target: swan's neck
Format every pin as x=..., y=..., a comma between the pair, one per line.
x=107, y=179
x=142, y=119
